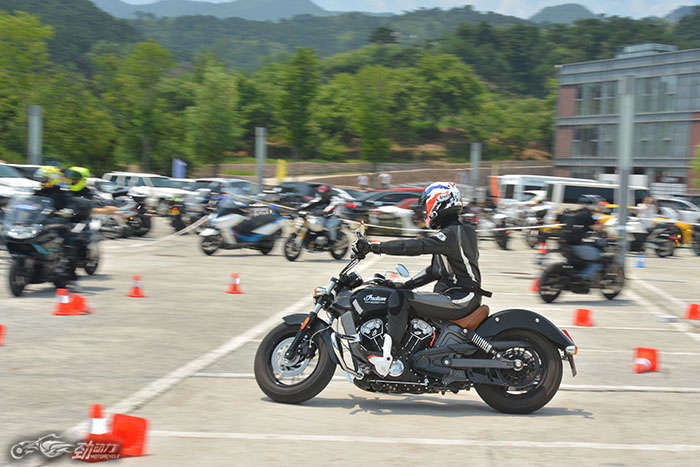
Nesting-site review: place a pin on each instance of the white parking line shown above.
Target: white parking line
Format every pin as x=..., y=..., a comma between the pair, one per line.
x=679, y=326
x=427, y=441
x=563, y=387
x=165, y=383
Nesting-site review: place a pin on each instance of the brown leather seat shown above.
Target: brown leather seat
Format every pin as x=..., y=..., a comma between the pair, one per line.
x=474, y=319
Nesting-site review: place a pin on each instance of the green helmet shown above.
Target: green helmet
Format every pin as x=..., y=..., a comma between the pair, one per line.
x=77, y=177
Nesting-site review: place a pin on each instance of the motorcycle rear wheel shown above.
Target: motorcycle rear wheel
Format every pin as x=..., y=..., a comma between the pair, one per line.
x=542, y=361
x=550, y=285
x=277, y=377
x=531, y=237
x=93, y=263
x=266, y=246
x=502, y=241
x=144, y=225
x=696, y=242
x=16, y=278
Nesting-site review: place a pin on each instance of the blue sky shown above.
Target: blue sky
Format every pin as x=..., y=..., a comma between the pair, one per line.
x=521, y=8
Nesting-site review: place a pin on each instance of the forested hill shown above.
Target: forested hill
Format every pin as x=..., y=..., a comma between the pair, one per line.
x=77, y=25
x=245, y=44
x=259, y=10
x=566, y=13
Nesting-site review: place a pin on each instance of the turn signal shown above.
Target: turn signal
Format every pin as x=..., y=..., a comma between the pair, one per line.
x=571, y=349
x=318, y=291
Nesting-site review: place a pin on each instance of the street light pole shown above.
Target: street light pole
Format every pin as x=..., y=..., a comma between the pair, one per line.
x=626, y=139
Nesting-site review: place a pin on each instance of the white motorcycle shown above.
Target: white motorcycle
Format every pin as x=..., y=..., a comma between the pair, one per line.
x=232, y=228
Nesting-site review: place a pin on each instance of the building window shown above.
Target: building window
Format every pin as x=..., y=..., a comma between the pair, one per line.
x=608, y=140
x=585, y=142
x=667, y=93
x=609, y=97
x=642, y=139
x=644, y=95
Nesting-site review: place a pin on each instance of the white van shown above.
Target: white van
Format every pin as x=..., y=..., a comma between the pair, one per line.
x=565, y=195
x=516, y=188
x=156, y=189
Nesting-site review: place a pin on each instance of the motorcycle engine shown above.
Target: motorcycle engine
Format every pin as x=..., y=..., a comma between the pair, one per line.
x=418, y=335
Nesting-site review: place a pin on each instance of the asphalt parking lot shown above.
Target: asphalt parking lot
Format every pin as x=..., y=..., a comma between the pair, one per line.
x=183, y=358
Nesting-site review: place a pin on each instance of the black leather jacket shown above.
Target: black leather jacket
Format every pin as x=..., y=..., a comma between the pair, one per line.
x=455, y=263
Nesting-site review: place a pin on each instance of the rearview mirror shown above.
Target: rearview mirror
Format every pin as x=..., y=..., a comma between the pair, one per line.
x=401, y=269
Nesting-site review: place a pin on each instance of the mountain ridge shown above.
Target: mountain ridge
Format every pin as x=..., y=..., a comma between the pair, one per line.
x=565, y=13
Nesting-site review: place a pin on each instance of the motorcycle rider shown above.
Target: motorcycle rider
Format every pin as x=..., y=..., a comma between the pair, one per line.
x=324, y=205
x=577, y=225
x=454, y=265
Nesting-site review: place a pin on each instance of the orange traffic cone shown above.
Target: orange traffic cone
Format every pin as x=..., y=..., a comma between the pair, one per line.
x=535, y=287
x=136, y=291
x=2, y=334
x=583, y=317
x=542, y=248
x=100, y=445
x=131, y=433
x=63, y=307
x=233, y=287
x=79, y=305
x=645, y=360
x=392, y=276
x=98, y=423
x=693, y=312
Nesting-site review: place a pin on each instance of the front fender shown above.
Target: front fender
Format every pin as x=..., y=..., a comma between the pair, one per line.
x=209, y=232
x=515, y=318
x=318, y=326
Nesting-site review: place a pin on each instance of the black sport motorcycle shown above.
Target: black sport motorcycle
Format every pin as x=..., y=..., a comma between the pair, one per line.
x=565, y=275
x=513, y=358
x=34, y=237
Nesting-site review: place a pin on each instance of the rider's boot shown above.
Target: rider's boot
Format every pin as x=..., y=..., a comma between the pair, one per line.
x=382, y=363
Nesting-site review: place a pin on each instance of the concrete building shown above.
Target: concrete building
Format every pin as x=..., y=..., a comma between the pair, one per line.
x=667, y=116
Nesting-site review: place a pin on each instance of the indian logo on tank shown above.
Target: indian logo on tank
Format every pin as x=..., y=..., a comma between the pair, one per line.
x=374, y=299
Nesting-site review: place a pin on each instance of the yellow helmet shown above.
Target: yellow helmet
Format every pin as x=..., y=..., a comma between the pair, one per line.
x=77, y=177
x=48, y=176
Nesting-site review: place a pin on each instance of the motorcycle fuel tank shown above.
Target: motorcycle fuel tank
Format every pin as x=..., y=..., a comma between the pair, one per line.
x=371, y=299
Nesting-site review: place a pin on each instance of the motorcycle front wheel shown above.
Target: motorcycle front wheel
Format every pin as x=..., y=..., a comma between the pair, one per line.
x=93, y=262
x=296, y=381
x=339, y=253
x=291, y=250
x=531, y=387
x=613, y=281
x=17, y=278
x=210, y=244
x=265, y=246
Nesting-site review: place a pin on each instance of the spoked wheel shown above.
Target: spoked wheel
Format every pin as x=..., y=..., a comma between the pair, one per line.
x=291, y=249
x=17, y=278
x=612, y=283
x=342, y=246
x=551, y=283
x=533, y=385
x=293, y=381
x=210, y=244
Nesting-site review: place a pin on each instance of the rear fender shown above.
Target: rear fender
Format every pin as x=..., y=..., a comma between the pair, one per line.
x=319, y=327
x=523, y=319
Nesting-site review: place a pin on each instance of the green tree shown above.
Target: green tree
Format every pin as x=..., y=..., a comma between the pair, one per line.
x=215, y=126
x=300, y=83
x=23, y=70
x=371, y=117
x=383, y=35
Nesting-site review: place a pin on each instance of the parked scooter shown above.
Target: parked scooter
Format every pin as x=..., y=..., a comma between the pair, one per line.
x=310, y=234
x=231, y=228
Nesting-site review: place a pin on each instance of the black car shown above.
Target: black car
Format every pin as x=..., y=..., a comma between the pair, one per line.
x=294, y=194
x=359, y=208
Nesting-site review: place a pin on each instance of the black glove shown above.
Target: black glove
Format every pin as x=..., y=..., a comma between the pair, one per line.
x=360, y=248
